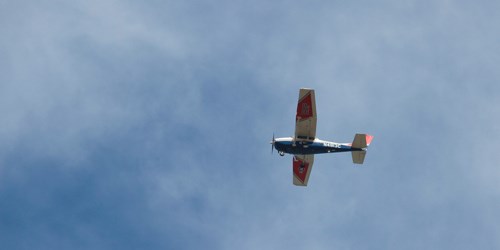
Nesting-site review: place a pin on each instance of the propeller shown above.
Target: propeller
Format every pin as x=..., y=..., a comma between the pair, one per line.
x=272, y=145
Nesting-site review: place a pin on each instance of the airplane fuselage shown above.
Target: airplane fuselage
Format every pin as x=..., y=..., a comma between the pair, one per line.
x=306, y=147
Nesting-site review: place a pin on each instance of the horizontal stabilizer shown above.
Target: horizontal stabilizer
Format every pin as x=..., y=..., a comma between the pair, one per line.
x=362, y=140
x=358, y=157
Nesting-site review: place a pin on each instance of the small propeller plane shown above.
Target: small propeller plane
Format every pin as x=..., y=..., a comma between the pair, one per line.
x=304, y=145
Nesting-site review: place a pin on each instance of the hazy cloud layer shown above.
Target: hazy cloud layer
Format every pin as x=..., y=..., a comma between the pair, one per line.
x=146, y=125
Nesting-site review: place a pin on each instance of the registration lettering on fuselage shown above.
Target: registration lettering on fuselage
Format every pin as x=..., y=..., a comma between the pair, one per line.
x=331, y=144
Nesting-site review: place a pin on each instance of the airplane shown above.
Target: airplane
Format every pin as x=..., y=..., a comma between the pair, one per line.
x=304, y=145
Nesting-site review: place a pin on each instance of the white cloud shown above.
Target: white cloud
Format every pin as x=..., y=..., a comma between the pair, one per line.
x=191, y=92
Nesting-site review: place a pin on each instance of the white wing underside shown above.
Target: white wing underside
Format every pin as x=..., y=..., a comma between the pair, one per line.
x=305, y=129
x=305, y=119
x=302, y=166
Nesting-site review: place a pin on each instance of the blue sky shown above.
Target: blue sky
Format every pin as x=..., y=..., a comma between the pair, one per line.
x=145, y=125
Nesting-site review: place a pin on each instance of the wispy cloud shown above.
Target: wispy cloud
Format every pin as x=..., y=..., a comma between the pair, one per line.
x=133, y=125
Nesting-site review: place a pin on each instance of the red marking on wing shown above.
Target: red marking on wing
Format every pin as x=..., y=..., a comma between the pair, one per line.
x=304, y=108
x=300, y=169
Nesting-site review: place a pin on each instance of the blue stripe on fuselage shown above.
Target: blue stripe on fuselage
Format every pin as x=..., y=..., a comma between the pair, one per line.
x=304, y=147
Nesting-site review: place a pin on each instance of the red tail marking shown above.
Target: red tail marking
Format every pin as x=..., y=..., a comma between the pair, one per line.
x=369, y=139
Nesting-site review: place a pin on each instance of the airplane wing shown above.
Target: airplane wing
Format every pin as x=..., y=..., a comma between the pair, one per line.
x=302, y=166
x=305, y=120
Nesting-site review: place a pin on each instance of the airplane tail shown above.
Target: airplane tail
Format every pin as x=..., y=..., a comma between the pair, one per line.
x=361, y=141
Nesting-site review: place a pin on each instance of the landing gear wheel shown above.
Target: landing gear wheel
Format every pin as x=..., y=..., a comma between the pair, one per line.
x=281, y=153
